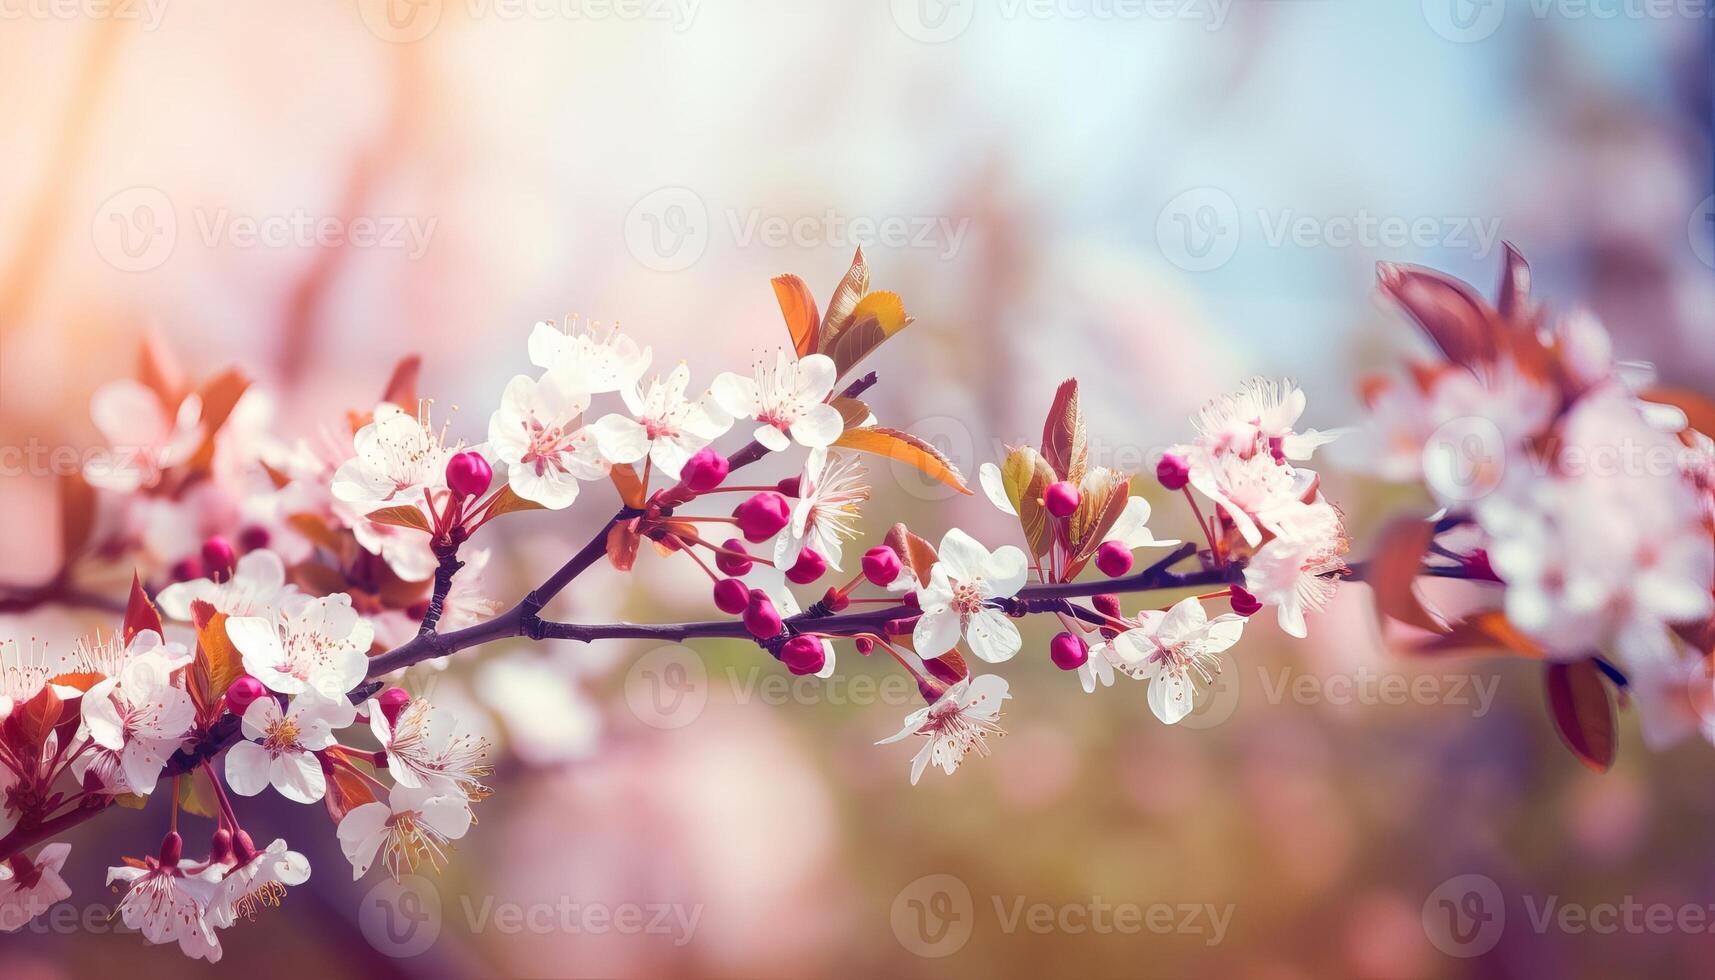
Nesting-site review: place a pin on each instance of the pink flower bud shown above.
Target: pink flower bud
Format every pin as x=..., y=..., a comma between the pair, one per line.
x=220, y=847
x=1061, y=499
x=468, y=474
x=218, y=558
x=760, y=617
x=186, y=569
x=865, y=645
x=881, y=565
x=942, y=671
x=735, y=565
x=243, y=692
x=254, y=537
x=1108, y=604
x=1113, y=558
x=790, y=486
x=910, y=599
x=808, y=568
x=731, y=596
x=704, y=471
x=1244, y=603
x=803, y=655
x=1067, y=651
x=172, y=848
x=1173, y=472
x=835, y=600
x=393, y=702
x=761, y=517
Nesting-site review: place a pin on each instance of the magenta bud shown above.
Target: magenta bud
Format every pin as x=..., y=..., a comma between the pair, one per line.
x=172, y=848
x=468, y=474
x=392, y=702
x=910, y=599
x=186, y=569
x=761, y=517
x=220, y=847
x=1113, y=558
x=881, y=565
x=803, y=655
x=244, y=692
x=1061, y=499
x=1244, y=603
x=218, y=558
x=790, y=486
x=731, y=596
x=760, y=616
x=808, y=568
x=1067, y=651
x=737, y=564
x=942, y=671
x=835, y=600
x=1173, y=472
x=1108, y=604
x=704, y=471
x=865, y=645
x=254, y=537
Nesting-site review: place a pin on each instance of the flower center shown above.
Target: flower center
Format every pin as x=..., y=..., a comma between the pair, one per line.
x=966, y=599
x=283, y=736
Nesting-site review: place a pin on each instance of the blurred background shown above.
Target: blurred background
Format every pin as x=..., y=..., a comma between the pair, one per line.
x=1160, y=197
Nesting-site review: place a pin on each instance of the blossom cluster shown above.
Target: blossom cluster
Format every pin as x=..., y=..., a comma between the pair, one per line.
x=289, y=597
x=1569, y=480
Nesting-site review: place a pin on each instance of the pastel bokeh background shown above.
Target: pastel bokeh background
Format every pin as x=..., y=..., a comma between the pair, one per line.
x=1160, y=198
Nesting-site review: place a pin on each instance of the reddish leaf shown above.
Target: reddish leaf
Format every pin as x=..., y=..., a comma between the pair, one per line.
x=1393, y=570
x=854, y=343
x=77, y=517
x=140, y=612
x=917, y=554
x=1102, y=498
x=629, y=484
x=1455, y=317
x=159, y=371
x=1064, y=443
x=507, y=502
x=404, y=515
x=1583, y=711
x=402, y=386
x=28, y=726
x=854, y=412
x=1026, y=476
x=622, y=544
x=906, y=448
x=218, y=663
x=1513, y=298
x=219, y=396
x=845, y=299
x=803, y=320
x=1488, y=629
